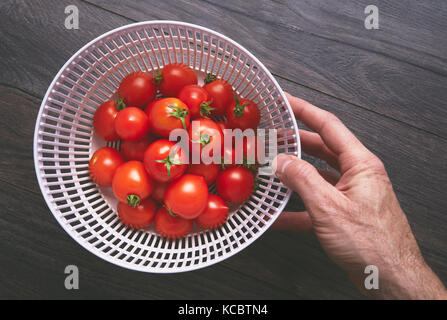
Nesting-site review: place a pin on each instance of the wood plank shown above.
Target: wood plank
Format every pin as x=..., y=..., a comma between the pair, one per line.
x=36, y=44
x=36, y=249
x=366, y=78
x=370, y=80
x=279, y=265
x=294, y=262
x=410, y=31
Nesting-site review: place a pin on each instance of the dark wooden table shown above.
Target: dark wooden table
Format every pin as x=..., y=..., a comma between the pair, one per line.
x=388, y=85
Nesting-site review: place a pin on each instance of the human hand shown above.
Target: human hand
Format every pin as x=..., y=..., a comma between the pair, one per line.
x=355, y=215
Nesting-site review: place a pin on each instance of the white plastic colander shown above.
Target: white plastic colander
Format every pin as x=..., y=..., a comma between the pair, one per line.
x=64, y=142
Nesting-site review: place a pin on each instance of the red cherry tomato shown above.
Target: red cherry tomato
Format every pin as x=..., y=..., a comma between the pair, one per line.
x=132, y=124
x=104, y=121
x=222, y=95
x=164, y=161
x=222, y=125
x=173, y=77
x=166, y=115
x=187, y=196
x=139, y=217
x=248, y=152
x=235, y=184
x=137, y=89
x=158, y=192
x=134, y=150
x=231, y=157
x=103, y=165
x=205, y=132
x=215, y=214
x=131, y=183
x=170, y=226
x=197, y=100
x=208, y=171
x=243, y=114
x=149, y=106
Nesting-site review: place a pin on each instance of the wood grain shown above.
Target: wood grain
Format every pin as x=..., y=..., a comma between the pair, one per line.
x=361, y=75
x=410, y=31
x=31, y=57
x=304, y=48
x=36, y=249
x=393, y=101
x=279, y=264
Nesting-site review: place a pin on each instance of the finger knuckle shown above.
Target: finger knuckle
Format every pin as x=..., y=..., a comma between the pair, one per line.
x=300, y=169
x=329, y=205
x=330, y=117
x=375, y=164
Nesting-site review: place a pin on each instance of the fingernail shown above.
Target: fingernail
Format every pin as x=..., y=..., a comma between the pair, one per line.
x=280, y=163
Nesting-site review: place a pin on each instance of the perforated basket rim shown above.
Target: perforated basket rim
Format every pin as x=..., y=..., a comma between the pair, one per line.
x=122, y=263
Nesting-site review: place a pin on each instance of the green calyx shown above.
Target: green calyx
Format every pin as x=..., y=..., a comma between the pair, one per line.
x=169, y=163
x=133, y=200
x=204, y=139
x=239, y=109
x=120, y=105
x=205, y=109
x=210, y=78
x=158, y=78
x=179, y=114
x=248, y=165
x=256, y=186
x=222, y=163
x=171, y=213
x=251, y=166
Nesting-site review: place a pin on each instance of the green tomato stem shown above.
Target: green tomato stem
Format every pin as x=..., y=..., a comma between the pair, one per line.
x=133, y=200
x=179, y=114
x=158, y=78
x=120, y=105
x=210, y=78
x=205, y=109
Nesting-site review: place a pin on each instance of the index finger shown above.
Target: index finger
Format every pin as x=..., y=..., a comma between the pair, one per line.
x=334, y=133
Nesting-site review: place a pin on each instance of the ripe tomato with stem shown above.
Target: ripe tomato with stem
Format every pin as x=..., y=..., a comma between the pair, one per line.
x=165, y=161
x=167, y=114
x=197, y=99
x=140, y=216
x=221, y=94
x=171, y=226
x=131, y=183
x=205, y=132
x=137, y=89
x=173, y=77
x=187, y=196
x=243, y=114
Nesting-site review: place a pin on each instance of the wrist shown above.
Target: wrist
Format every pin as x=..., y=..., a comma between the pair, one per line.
x=411, y=279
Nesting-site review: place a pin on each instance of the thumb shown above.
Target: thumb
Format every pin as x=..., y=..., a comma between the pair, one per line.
x=305, y=179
